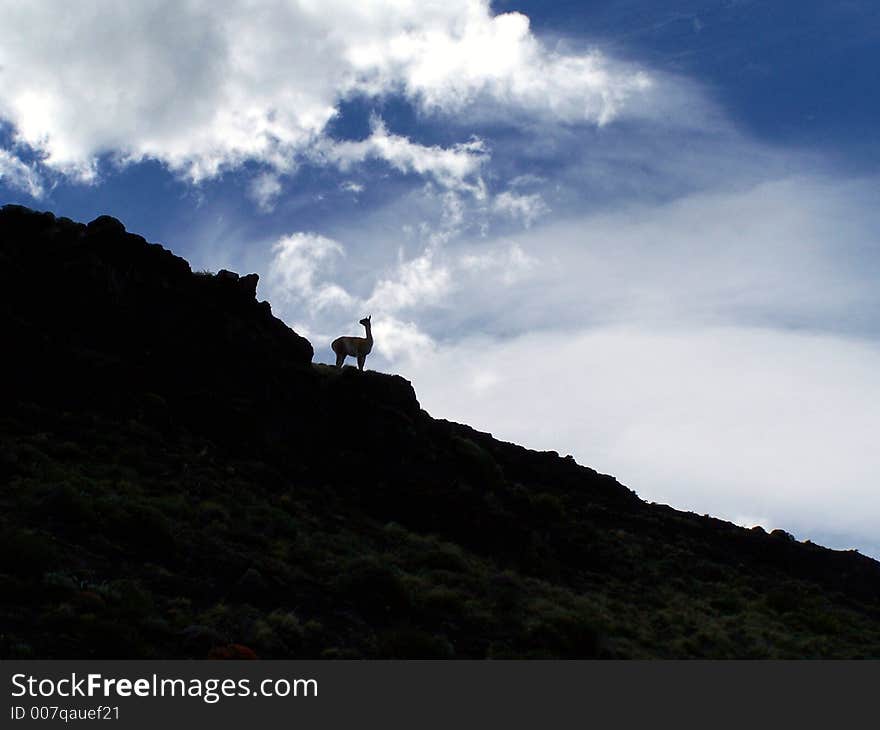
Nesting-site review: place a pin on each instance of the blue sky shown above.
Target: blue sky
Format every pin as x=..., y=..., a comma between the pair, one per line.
x=642, y=233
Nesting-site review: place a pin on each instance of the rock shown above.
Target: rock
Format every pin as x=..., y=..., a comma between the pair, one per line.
x=249, y=285
x=135, y=304
x=782, y=535
x=226, y=275
x=105, y=225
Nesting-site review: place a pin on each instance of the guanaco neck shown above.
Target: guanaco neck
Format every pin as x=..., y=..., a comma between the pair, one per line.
x=369, y=334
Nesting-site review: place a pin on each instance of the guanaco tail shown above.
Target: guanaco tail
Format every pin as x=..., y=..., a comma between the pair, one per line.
x=358, y=347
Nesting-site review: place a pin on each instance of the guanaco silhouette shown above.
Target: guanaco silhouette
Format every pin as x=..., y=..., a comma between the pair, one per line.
x=358, y=347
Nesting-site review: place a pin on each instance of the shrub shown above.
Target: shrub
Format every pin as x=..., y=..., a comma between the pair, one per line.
x=375, y=588
x=232, y=651
x=565, y=634
x=25, y=553
x=412, y=643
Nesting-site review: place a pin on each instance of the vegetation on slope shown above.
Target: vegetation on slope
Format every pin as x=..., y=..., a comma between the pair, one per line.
x=178, y=480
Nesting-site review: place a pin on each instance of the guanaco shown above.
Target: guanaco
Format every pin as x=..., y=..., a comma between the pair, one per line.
x=358, y=347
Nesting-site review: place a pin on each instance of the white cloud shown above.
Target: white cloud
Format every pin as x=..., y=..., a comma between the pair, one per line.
x=396, y=340
x=264, y=191
x=526, y=208
x=204, y=86
x=453, y=211
x=350, y=186
x=193, y=84
x=799, y=252
x=454, y=167
x=468, y=53
x=417, y=282
x=299, y=262
x=510, y=262
x=20, y=176
x=527, y=180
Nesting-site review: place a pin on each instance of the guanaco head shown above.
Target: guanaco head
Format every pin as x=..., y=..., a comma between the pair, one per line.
x=365, y=321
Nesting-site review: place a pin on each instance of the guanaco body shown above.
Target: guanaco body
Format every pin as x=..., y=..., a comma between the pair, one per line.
x=358, y=347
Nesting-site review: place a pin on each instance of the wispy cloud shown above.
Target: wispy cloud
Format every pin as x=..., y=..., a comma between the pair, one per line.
x=350, y=186
x=298, y=269
x=20, y=176
x=509, y=262
x=526, y=208
x=454, y=167
x=264, y=191
x=419, y=281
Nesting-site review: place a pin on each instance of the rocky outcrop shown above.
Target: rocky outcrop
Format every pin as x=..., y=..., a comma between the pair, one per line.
x=95, y=312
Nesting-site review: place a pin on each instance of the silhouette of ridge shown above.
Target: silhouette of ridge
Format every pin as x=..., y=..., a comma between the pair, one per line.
x=179, y=478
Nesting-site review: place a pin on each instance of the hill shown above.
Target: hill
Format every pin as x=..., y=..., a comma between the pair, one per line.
x=177, y=479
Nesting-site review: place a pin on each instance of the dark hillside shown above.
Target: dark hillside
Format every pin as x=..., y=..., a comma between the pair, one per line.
x=177, y=479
